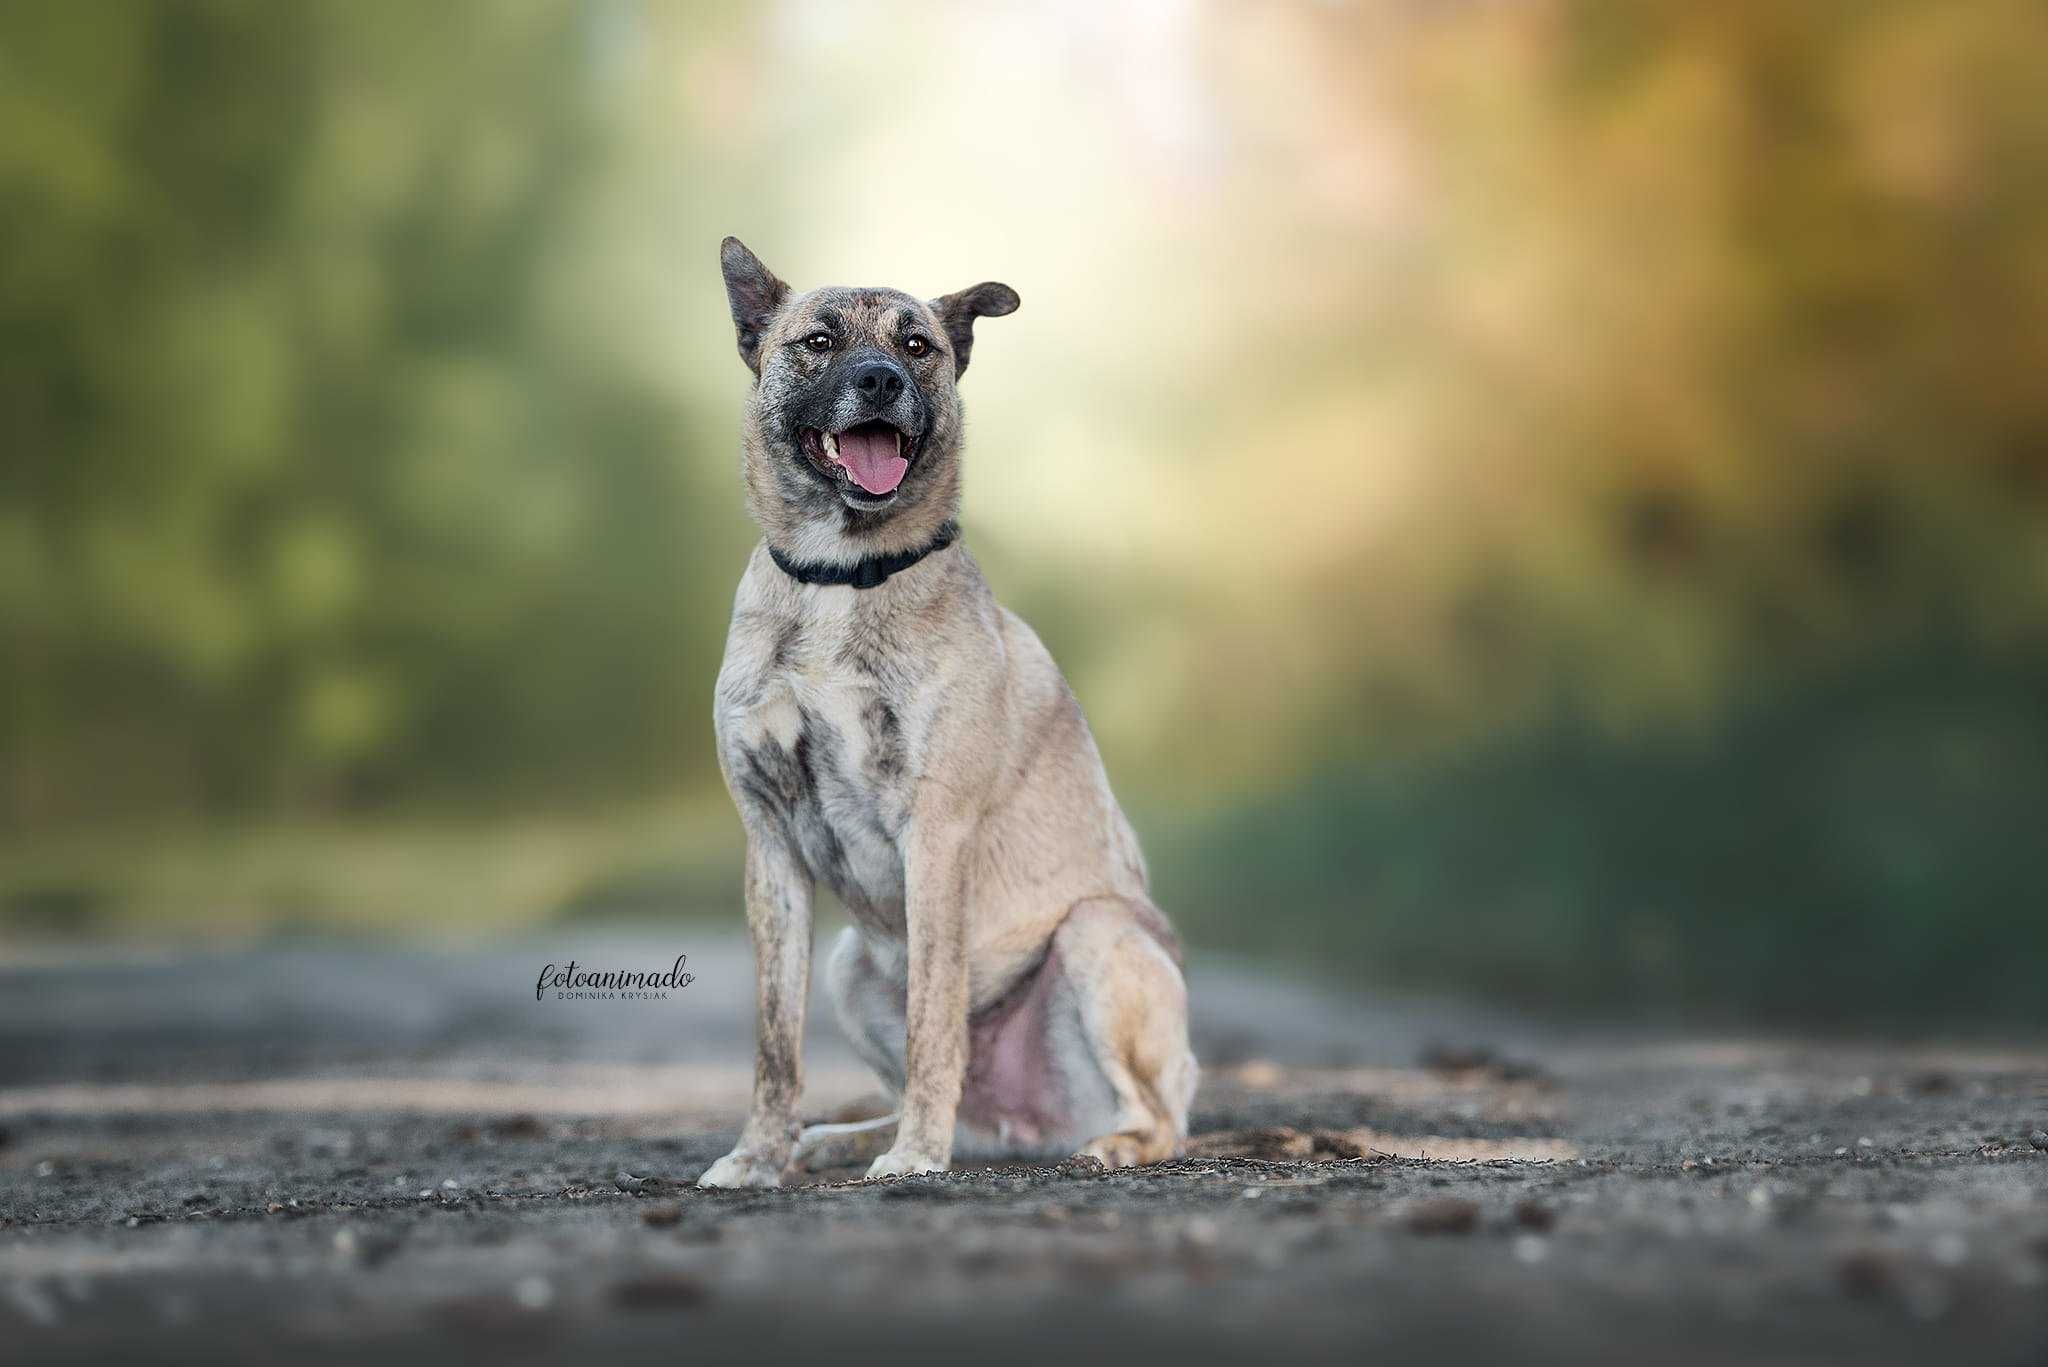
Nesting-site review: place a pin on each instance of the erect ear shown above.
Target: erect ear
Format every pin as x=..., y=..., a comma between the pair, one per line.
x=754, y=293
x=957, y=313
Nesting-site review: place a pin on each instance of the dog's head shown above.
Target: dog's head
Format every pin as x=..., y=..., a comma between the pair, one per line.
x=854, y=419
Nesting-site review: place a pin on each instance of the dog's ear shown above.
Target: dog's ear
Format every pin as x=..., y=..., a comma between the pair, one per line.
x=957, y=313
x=754, y=293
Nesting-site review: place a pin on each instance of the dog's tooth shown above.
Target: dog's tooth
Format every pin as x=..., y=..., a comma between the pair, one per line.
x=831, y=446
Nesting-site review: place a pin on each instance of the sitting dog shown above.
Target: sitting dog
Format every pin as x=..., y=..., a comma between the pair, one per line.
x=884, y=726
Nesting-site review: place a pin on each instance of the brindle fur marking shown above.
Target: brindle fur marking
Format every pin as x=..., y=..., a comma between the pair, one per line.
x=913, y=746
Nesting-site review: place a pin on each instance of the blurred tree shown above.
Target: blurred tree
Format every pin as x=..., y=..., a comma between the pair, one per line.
x=1620, y=351
x=307, y=497
x=1692, y=338
x=1575, y=472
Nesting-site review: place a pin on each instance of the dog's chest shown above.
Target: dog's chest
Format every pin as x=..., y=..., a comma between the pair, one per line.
x=817, y=749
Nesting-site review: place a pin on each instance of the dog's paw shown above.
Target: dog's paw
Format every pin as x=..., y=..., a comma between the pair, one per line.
x=894, y=1164
x=1123, y=1151
x=741, y=1168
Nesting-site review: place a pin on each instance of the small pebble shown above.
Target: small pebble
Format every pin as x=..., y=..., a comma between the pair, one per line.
x=518, y=1127
x=668, y=1292
x=1867, y=1273
x=1443, y=1215
x=2039, y=1139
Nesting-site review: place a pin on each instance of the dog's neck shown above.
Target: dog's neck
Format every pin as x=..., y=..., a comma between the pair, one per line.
x=870, y=573
x=842, y=537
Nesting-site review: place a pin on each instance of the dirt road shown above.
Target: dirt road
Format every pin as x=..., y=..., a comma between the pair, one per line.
x=337, y=1153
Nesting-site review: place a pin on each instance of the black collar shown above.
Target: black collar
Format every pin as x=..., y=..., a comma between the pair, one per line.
x=869, y=572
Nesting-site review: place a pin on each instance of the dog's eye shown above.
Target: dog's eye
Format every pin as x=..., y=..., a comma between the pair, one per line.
x=915, y=345
x=819, y=341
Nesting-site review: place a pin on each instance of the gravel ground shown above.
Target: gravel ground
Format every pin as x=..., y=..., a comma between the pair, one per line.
x=335, y=1153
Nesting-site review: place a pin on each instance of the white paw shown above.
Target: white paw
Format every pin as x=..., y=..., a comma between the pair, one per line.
x=742, y=1169
x=894, y=1164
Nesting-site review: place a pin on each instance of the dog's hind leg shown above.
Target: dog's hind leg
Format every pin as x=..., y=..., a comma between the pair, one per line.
x=870, y=1007
x=870, y=1011
x=1133, y=1008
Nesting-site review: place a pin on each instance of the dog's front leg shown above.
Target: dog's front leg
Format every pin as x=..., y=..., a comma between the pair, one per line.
x=779, y=922
x=936, y=1012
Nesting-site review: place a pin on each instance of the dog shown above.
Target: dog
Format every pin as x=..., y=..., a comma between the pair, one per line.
x=887, y=729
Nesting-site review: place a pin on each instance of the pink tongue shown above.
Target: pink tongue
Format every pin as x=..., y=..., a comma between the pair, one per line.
x=869, y=455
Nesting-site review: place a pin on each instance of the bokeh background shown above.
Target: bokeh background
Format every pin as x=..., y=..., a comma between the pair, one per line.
x=1538, y=497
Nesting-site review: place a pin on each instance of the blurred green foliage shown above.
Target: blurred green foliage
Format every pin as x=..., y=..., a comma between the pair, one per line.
x=311, y=499
x=1574, y=475
x=1865, y=846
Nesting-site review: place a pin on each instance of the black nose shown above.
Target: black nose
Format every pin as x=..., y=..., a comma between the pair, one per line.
x=878, y=382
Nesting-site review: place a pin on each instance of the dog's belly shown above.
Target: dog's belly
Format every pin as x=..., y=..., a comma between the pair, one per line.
x=1012, y=1092
x=1032, y=1086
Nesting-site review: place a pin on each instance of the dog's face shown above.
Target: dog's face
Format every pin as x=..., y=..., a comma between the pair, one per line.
x=855, y=411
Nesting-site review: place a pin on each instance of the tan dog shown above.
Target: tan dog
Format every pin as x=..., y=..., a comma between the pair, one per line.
x=886, y=727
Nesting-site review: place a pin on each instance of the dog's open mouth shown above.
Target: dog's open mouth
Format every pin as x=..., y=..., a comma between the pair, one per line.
x=874, y=455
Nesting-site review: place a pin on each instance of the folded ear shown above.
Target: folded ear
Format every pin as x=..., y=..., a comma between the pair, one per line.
x=957, y=313
x=754, y=293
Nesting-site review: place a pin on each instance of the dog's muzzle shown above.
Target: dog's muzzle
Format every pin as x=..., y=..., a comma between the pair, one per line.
x=874, y=455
